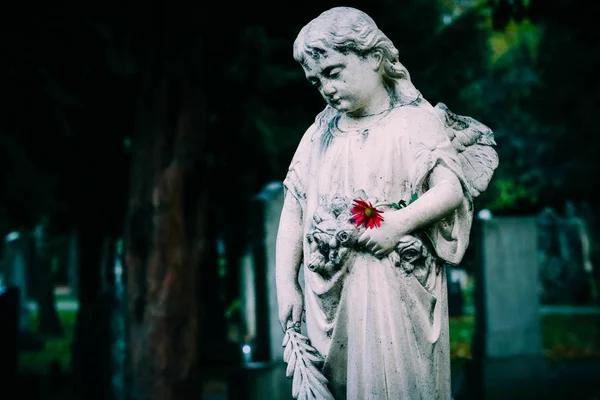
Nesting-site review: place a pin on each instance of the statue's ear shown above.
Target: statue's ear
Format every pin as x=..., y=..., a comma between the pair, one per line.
x=377, y=57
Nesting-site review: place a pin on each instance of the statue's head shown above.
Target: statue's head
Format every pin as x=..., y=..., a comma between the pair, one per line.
x=347, y=30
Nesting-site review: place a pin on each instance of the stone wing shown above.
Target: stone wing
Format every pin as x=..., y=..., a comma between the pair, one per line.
x=473, y=141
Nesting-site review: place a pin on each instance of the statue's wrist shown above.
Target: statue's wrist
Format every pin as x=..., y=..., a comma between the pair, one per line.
x=401, y=223
x=288, y=285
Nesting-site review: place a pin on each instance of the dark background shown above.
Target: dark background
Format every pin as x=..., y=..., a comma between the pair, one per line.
x=154, y=125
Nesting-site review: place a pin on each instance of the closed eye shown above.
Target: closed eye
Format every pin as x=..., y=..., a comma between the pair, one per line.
x=314, y=82
x=334, y=74
x=332, y=71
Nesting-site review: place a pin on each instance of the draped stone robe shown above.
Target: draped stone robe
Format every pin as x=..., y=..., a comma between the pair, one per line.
x=381, y=324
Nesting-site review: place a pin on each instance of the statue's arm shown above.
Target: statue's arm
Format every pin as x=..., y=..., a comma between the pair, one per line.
x=444, y=191
x=445, y=194
x=288, y=259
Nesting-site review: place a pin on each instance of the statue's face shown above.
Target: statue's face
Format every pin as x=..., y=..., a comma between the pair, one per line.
x=346, y=81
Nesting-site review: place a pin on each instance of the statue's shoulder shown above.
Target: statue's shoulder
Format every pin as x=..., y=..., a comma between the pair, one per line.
x=325, y=117
x=419, y=122
x=312, y=135
x=423, y=115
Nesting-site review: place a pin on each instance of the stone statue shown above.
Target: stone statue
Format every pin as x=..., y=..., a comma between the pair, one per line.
x=378, y=197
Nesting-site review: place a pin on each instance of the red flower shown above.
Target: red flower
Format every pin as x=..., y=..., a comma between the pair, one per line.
x=364, y=213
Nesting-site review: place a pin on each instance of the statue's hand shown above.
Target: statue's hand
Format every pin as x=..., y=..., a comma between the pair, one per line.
x=383, y=240
x=291, y=306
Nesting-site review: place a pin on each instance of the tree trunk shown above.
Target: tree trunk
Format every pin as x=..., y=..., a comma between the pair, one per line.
x=166, y=233
x=107, y=266
x=91, y=344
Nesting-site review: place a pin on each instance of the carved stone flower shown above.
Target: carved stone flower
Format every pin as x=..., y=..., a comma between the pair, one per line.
x=410, y=250
x=414, y=257
x=338, y=205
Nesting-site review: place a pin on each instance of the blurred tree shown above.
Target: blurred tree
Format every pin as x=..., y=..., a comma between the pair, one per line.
x=567, y=97
x=168, y=231
x=540, y=100
x=501, y=97
x=565, y=101
x=503, y=11
x=62, y=127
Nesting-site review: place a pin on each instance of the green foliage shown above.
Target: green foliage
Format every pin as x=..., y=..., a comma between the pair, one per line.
x=540, y=101
x=461, y=334
x=234, y=310
x=501, y=100
x=507, y=193
x=571, y=336
x=513, y=36
x=563, y=336
x=55, y=349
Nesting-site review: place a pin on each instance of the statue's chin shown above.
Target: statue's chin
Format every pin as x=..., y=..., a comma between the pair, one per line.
x=336, y=105
x=342, y=105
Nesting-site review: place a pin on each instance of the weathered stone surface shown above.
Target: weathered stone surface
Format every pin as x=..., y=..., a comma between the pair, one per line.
x=379, y=196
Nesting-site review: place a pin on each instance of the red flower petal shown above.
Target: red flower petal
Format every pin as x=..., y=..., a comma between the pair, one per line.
x=359, y=219
x=365, y=214
x=362, y=203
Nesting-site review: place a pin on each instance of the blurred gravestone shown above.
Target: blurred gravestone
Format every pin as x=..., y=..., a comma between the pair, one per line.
x=14, y=265
x=507, y=348
x=248, y=296
x=576, y=245
x=455, y=291
x=565, y=266
x=73, y=262
x=552, y=285
x=264, y=374
x=270, y=201
x=9, y=337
